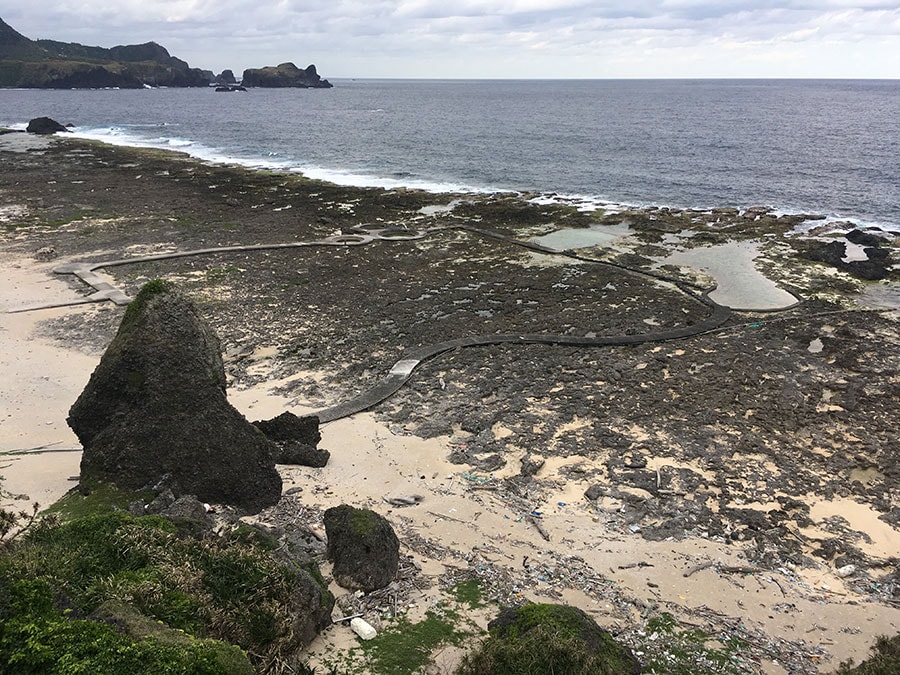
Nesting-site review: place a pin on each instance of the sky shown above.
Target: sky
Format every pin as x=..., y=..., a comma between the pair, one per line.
x=473, y=39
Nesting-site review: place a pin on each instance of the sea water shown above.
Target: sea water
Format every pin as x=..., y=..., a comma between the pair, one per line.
x=819, y=146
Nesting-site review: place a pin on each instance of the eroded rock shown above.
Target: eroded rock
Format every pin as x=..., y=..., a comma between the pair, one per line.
x=156, y=405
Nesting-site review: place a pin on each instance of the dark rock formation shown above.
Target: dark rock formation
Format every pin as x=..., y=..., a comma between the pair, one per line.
x=522, y=636
x=594, y=492
x=865, y=238
x=225, y=77
x=156, y=405
x=284, y=75
x=48, y=64
x=876, y=266
x=363, y=546
x=292, y=452
x=44, y=125
x=288, y=427
x=296, y=439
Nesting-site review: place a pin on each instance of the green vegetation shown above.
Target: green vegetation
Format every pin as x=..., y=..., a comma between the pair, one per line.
x=469, y=593
x=93, y=498
x=113, y=593
x=401, y=647
x=546, y=638
x=406, y=647
x=885, y=659
x=136, y=307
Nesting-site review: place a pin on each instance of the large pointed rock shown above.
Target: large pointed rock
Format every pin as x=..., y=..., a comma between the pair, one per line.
x=156, y=405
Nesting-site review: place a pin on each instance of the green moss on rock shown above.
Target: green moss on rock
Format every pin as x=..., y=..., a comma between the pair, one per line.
x=544, y=638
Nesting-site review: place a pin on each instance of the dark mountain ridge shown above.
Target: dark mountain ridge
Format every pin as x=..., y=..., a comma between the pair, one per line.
x=49, y=64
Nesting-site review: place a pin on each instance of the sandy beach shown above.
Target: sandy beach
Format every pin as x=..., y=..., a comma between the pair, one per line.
x=524, y=532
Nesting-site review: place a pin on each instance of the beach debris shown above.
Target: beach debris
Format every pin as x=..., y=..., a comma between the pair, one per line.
x=363, y=546
x=362, y=628
x=444, y=515
x=845, y=571
x=404, y=500
x=540, y=528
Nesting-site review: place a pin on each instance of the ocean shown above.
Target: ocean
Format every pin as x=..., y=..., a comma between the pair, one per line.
x=830, y=147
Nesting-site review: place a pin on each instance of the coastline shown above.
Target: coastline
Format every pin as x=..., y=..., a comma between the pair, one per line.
x=804, y=610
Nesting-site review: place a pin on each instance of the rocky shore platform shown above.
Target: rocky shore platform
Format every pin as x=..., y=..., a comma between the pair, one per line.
x=743, y=479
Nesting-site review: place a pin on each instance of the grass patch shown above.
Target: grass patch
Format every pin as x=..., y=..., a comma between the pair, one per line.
x=401, y=647
x=468, y=593
x=407, y=647
x=885, y=659
x=93, y=498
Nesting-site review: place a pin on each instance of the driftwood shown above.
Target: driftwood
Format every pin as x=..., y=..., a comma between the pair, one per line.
x=443, y=515
x=724, y=569
x=539, y=527
x=697, y=568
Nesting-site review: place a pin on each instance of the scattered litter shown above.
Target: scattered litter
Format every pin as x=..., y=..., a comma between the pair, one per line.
x=362, y=628
x=405, y=500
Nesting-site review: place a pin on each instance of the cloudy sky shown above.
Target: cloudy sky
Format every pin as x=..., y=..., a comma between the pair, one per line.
x=494, y=38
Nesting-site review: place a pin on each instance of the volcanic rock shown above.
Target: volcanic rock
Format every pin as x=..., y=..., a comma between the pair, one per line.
x=44, y=125
x=363, y=546
x=156, y=405
x=296, y=439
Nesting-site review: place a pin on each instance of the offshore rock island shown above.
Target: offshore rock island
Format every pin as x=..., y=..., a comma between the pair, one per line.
x=49, y=64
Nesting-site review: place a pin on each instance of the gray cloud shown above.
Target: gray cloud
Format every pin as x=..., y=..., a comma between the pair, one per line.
x=497, y=38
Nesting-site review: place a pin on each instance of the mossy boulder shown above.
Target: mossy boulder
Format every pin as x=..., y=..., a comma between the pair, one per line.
x=363, y=546
x=156, y=405
x=545, y=638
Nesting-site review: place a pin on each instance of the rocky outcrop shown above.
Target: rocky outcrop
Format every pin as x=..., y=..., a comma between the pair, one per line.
x=876, y=266
x=296, y=439
x=284, y=75
x=225, y=77
x=363, y=546
x=156, y=405
x=549, y=638
x=44, y=125
x=48, y=64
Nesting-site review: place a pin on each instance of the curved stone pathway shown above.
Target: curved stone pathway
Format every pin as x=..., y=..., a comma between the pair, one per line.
x=401, y=371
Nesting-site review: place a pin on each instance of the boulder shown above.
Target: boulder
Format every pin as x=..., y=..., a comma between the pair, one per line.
x=296, y=439
x=288, y=427
x=44, y=126
x=363, y=546
x=547, y=638
x=156, y=405
x=300, y=454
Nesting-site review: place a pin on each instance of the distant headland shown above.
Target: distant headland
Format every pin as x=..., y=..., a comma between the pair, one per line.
x=48, y=64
